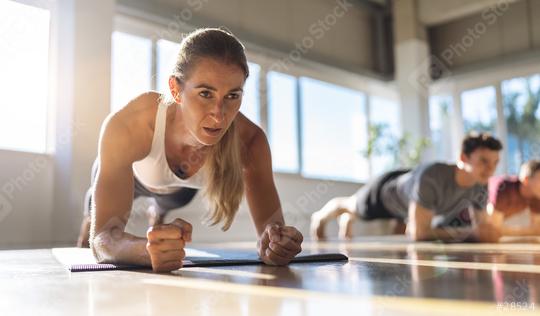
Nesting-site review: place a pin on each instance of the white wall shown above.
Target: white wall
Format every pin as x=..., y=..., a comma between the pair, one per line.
x=26, y=198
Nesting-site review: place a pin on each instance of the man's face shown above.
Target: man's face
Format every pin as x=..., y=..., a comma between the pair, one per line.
x=481, y=164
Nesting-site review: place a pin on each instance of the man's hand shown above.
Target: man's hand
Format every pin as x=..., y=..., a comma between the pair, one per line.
x=166, y=244
x=489, y=225
x=535, y=224
x=488, y=232
x=278, y=245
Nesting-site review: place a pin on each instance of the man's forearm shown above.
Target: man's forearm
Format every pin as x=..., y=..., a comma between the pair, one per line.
x=121, y=248
x=451, y=234
x=520, y=231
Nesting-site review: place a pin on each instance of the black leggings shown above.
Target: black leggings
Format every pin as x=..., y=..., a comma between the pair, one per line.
x=369, y=205
x=165, y=202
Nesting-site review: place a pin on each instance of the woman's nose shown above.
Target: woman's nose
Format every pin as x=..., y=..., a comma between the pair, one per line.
x=218, y=112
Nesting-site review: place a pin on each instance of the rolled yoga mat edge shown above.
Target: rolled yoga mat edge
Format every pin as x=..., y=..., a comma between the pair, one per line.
x=324, y=257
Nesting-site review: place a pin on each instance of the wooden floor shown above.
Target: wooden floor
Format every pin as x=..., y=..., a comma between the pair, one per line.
x=385, y=276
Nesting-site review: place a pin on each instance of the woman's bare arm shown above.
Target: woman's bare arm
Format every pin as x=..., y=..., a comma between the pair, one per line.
x=261, y=193
x=277, y=244
x=113, y=195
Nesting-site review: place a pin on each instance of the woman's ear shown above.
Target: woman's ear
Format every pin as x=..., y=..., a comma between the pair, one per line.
x=175, y=89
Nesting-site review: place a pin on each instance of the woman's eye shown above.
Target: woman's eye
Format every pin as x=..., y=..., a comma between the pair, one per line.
x=205, y=94
x=233, y=96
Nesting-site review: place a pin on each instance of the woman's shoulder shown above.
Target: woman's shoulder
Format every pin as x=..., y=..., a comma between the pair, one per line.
x=247, y=130
x=134, y=122
x=143, y=104
x=139, y=112
x=253, y=141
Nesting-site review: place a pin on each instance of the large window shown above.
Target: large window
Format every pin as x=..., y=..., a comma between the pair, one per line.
x=167, y=53
x=283, y=121
x=479, y=110
x=250, y=99
x=334, y=131
x=385, y=133
x=24, y=66
x=131, y=68
x=518, y=130
x=440, y=124
x=321, y=130
x=521, y=101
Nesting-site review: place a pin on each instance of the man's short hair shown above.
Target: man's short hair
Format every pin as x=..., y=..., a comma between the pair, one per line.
x=474, y=141
x=528, y=169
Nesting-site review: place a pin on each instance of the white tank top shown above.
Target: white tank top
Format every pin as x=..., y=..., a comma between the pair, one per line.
x=153, y=171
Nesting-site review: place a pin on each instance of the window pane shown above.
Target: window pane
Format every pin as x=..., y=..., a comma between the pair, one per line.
x=522, y=112
x=167, y=53
x=250, y=99
x=131, y=68
x=24, y=60
x=384, y=115
x=334, y=131
x=479, y=110
x=282, y=121
x=440, y=124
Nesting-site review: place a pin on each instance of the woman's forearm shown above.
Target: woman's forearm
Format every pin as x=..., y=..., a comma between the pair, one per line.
x=120, y=248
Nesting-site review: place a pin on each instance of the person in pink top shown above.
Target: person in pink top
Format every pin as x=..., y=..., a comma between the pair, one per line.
x=516, y=200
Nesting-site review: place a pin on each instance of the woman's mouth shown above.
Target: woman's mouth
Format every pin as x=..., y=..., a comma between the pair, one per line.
x=212, y=131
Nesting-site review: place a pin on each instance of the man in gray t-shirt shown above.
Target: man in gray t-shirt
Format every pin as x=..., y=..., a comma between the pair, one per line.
x=437, y=200
x=434, y=187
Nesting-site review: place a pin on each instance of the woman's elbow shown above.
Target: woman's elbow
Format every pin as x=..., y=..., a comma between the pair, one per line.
x=101, y=247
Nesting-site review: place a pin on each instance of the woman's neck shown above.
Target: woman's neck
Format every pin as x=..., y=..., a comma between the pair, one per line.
x=184, y=151
x=178, y=133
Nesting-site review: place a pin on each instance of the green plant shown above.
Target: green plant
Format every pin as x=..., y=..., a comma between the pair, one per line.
x=405, y=151
x=523, y=122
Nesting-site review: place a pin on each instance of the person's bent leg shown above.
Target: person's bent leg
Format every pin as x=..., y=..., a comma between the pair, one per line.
x=84, y=233
x=330, y=211
x=164, y=203
x=400, y=227
x=345, y=223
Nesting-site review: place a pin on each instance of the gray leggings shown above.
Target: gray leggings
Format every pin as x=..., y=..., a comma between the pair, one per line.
x=165, y=202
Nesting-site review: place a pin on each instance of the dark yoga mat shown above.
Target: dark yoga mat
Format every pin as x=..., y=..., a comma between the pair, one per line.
x=215, y=258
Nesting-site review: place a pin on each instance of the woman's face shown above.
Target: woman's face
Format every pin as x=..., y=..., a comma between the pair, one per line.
x=209, y=99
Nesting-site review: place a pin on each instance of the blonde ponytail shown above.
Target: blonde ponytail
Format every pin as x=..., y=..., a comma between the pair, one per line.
x=224, y=183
